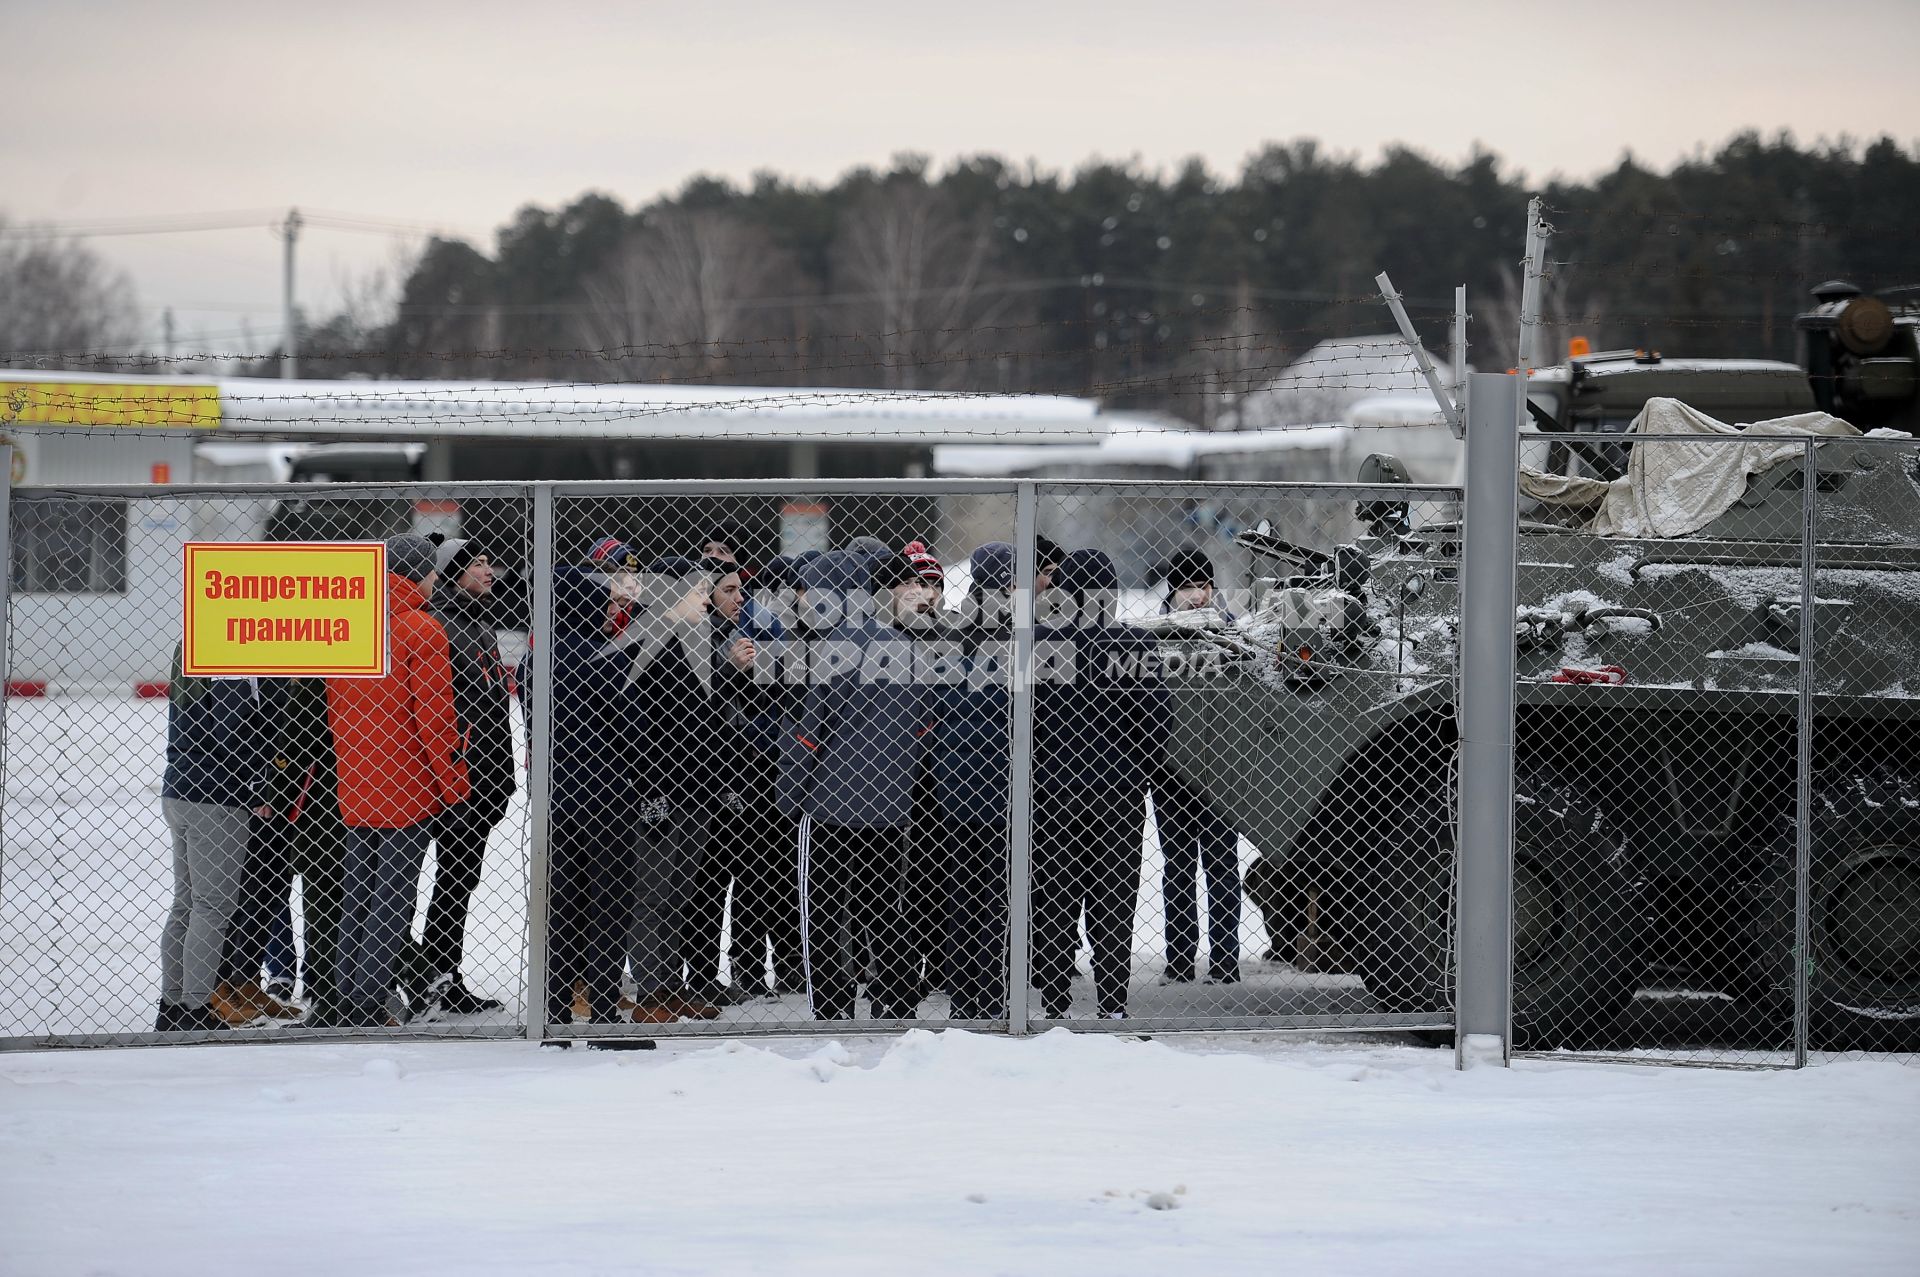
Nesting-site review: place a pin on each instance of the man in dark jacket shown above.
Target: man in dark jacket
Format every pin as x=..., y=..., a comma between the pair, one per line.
x=1194, y=838
x=760, y=842
x=463, y=602
x=666, y=653
x=1099, y=722
x=849, y=770
x=971, y=747
x=594, y=804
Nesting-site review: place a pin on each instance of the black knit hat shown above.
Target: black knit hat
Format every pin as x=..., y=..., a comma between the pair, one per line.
x=893, y=569
x=1188, y=567
x=456, y=555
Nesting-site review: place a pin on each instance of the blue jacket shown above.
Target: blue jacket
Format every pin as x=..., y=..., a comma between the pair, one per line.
x=855, y=750
x=217, y=748
x=973, y=733
x=1104, y=727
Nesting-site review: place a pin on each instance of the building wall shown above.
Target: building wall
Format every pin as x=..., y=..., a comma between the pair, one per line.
x=109, y=641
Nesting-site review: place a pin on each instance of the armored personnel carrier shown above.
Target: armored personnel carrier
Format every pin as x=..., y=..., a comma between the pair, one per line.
x=1657, y=734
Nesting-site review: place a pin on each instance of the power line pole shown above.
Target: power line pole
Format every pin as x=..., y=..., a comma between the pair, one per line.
x=289, y=341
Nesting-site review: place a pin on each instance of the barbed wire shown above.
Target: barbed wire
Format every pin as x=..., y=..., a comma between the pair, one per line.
x=711, y=347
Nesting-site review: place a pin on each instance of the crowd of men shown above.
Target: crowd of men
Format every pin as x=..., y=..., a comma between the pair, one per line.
x=806, y=765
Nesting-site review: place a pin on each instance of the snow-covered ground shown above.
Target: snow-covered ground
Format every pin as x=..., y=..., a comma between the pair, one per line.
x=945, y=1153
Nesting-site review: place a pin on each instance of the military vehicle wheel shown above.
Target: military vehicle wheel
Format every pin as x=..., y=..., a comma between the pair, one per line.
x=1863, y=990
x=1576, y=925
x=1577, y=944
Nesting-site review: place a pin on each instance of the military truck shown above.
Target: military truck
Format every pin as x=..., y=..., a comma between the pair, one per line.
x=1656, y=741
x=1859, y=360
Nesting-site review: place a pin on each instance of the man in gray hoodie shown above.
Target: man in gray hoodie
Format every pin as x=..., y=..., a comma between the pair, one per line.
x=848, y=771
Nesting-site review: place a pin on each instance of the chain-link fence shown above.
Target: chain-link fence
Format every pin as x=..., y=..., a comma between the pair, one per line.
x=809, y=756
x=290, y=854
x=1148, y=756
x=1714, y=854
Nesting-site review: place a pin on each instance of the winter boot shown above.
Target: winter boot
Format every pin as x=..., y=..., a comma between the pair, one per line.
x=460, y=1000
x=234, y=1010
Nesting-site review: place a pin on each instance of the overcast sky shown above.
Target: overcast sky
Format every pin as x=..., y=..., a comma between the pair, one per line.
x=455, y=114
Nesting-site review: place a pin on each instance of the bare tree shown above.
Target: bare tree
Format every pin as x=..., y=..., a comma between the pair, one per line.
x=64, y=304
x=680, y=295
x=914, y=269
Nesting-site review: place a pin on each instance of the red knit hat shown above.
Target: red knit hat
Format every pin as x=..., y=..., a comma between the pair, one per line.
x=924, y=563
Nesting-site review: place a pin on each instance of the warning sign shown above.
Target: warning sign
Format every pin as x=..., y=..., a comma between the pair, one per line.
x=315, y=608
x=134, y=407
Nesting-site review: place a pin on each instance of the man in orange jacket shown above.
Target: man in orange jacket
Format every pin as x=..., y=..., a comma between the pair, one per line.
x=401, y=762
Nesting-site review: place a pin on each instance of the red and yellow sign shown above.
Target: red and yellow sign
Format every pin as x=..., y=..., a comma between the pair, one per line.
x=122, y=404
x=293, y=608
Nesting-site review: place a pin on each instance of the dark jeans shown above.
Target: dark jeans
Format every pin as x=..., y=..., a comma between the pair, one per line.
x=707, y=871
x=766, y=902
x=266, y=884
x=378, y=884
x=459, y=849
x=975, y=918
x=317, y=848
x=1086, y=855
x=1194, y=837
x=855, y=876
x=592, y=865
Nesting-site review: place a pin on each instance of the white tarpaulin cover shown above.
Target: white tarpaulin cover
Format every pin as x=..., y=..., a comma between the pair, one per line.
x=1672, y=489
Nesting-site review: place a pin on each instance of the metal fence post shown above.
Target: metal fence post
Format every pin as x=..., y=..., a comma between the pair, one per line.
x=1489, y=540
x=6, y=617
x=1020, y=764
x=1803, y=798
x=539, y=763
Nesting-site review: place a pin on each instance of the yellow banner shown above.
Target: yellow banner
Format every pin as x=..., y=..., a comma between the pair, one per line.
x=293, y=608
x=80, y=403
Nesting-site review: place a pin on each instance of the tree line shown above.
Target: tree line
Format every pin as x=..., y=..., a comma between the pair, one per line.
x=1148, y=289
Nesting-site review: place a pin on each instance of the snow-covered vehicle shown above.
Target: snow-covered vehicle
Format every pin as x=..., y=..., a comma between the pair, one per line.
x=1658, y=640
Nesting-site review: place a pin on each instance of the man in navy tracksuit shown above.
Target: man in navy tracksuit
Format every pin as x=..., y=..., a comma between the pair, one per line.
x=1099, y=724
x=1193, y=836
x=848, y=770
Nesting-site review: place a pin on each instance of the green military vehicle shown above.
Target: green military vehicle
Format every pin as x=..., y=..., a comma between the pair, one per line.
x=1656, y=732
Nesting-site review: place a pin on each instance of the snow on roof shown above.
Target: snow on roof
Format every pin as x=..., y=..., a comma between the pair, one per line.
x=240, y=406
x=1133, y=441
x=1321, y=384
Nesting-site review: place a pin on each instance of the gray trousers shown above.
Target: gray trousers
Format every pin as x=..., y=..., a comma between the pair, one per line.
x=669, y=856
x=379, y=881
x=209, y=861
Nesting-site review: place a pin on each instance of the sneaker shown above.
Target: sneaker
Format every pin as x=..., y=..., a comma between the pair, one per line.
x=177, y=1017
x=279, y=987
x=1112, y=1015
x=1174, y=975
